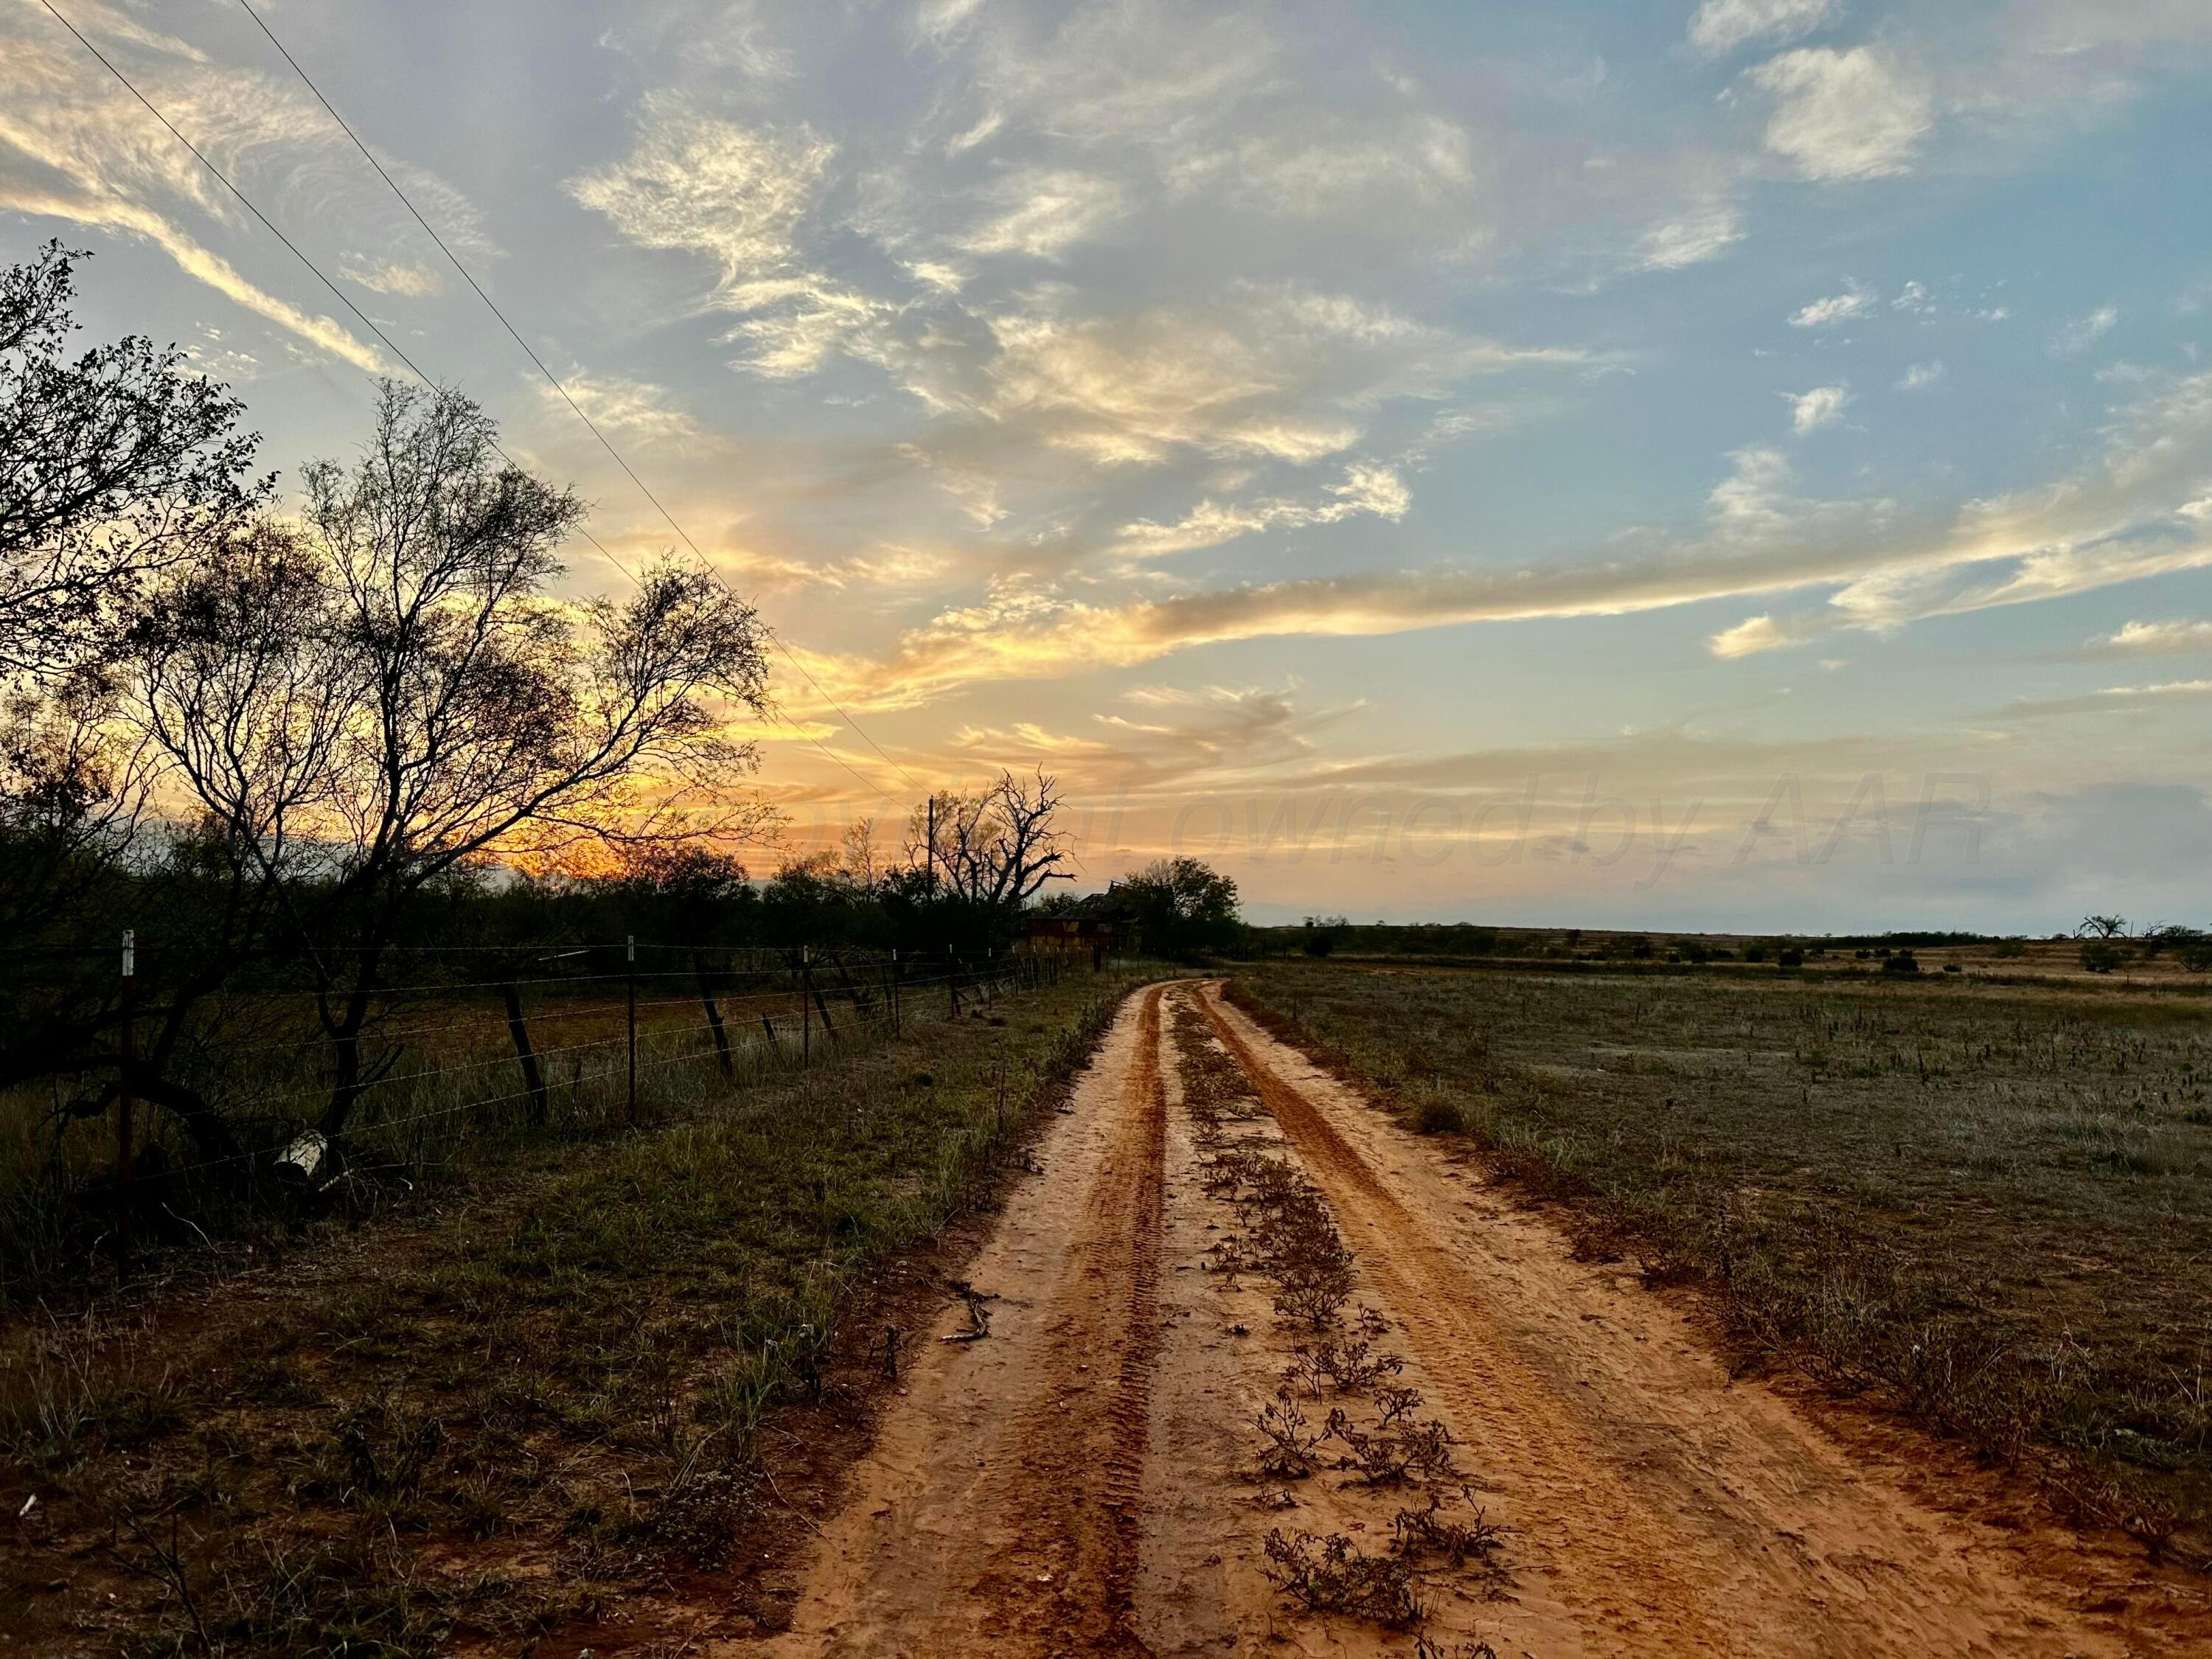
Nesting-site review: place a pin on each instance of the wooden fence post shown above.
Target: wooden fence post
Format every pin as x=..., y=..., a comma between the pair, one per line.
x=629, y=946
x=124, y=1198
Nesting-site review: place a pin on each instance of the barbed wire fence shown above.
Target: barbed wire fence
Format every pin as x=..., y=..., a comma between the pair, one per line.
x=477, y=1043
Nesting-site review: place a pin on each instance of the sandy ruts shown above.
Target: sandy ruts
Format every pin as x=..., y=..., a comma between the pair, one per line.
x=1081, y=1481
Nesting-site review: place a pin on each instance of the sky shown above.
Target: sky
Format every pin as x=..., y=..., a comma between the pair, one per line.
x=1739, y=464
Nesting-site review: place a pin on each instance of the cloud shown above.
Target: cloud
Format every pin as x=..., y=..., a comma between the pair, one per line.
x=2078, y=335
x=1375, y=490
x=1282, y=373
x=699, y=184
x=1162, y=739
x=1920, y=376
x=1760, y=633
x=639, y=411
x=1822, y=406
x=2154, y=639
x=1721, y=25
x=1837, y=309
x=74, y=145
x=2113, y=700
x=1043, y=212
x=1691, y=239
x=1841, y=115
x=401, y=280
x=2121, y=519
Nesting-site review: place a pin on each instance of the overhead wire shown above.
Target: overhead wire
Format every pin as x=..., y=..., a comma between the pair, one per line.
x=577, y=409
x=376, y=331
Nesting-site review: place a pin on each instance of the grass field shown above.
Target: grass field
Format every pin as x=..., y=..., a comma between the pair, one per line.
x=527, y=1398
x=1992, y=1204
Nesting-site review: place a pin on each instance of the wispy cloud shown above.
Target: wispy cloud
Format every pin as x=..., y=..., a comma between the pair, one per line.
x=1920, y=376
x=2078, y=335
x=1842, y=307
x=2154, y=639
x=1375, y=490
x=1721, y=25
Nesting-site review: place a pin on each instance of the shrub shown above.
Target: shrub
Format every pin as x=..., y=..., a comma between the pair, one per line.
x=1792, y=958
x=2100, y=955
x=1902, y=963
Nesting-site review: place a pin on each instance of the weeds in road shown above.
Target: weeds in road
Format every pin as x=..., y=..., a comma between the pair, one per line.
x=1331, y=1574
x=1292, y=1439
x=1417, y=1533
x=1291, y=1237
x=1390, y=1455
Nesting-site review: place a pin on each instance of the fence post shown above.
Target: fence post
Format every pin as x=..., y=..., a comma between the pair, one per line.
x=629, y=946
x=952, y=980
x=805, y=1020
x=896, y=976
x=124, y=1196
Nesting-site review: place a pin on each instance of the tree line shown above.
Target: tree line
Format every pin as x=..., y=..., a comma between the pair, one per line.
x=289, y=747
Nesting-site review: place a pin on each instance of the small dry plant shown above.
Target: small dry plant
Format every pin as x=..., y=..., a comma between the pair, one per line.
x=1332, y=1574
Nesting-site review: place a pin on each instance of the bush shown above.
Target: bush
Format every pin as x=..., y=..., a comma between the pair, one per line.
x=1791, y=958
x=1691, y=950
x=2100, y=955
x=1902, y=963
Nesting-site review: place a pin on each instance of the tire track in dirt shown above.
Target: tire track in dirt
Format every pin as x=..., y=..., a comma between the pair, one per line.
x=1609, y=1560
x=1074, y=1508
x=1655, y=1505
x=999, y=1510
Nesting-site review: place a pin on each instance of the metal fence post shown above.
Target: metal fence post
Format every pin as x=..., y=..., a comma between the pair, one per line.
x=630, y=946
x=123, y=1180
x=805, y=1018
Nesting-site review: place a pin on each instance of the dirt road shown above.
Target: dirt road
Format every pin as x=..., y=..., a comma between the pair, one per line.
x=1087, y=1478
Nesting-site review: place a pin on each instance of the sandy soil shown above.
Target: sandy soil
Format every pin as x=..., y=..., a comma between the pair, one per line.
x=1083, y=1479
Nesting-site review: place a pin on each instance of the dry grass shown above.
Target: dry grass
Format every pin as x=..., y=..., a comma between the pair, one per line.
x=522, y=1404
x=1993, y=1204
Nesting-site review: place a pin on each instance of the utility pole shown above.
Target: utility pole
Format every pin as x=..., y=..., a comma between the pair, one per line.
x=930, y=853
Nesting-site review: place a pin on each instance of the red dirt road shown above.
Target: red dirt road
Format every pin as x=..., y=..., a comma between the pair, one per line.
x=1084, y=1480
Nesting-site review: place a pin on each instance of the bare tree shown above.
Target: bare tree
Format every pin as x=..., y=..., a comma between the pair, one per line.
x=2102, y=927
x=996, y=849
x=113, y=465
x=389, y=696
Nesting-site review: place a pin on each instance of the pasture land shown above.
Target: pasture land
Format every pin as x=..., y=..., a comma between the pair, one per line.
x=1989, y=1204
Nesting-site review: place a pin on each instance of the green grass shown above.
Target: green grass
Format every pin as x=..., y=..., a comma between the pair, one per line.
x=1992, y=1204
x=520, y=1399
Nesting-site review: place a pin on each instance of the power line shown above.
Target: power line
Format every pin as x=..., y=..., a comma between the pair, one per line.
x=371, y=325
x=554, y=381
x=270, y=226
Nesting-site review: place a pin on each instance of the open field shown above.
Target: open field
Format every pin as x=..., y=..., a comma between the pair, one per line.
x=2142, y=963
x=532, y=1397
x=1993, y=1202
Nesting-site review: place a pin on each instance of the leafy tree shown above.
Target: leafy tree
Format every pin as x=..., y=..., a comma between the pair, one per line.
x=114, y=464
x=388, y=698
x=1183, y=907
x=1319, y=935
